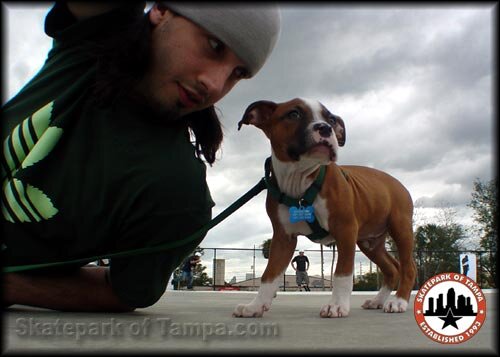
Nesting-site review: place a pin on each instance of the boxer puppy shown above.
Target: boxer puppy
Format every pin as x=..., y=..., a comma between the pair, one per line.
x=356, y=206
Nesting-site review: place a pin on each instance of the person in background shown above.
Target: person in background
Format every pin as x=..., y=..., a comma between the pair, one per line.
x=301, y=268
x=187, y=270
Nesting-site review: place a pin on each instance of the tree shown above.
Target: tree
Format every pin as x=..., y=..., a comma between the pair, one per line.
x=367, y=282
x=484, y=204
x=438, y=249
x=200, y=277
x=266, y=246
x=437, y=245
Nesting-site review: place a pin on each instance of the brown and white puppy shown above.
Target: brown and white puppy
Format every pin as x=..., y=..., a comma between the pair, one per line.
x=356, y=205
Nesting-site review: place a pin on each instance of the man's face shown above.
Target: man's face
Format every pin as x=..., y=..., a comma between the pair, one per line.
x=191, y=70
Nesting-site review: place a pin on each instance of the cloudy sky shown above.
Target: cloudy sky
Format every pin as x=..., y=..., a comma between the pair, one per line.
x=412, y=83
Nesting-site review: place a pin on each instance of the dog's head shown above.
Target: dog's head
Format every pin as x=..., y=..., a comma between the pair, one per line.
x=298, y=129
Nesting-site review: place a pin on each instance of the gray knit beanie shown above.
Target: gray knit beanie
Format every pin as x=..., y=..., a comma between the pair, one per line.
x=251, y=31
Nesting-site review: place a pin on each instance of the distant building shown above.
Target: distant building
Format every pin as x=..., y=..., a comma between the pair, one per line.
x=220, y=271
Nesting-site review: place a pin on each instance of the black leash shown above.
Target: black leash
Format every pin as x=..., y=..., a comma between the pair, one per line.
x=254, y=191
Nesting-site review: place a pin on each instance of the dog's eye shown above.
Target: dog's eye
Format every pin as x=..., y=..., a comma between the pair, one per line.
x=294, y=114
x=332, y=119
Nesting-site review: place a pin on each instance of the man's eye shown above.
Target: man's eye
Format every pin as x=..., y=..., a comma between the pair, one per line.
x=216, y=45
x=241, y=73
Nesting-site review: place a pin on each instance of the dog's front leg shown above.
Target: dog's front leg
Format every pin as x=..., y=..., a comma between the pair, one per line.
x=281, y=252
x=342, y=281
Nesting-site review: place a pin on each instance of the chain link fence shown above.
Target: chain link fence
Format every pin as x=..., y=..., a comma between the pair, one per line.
x=242, y=268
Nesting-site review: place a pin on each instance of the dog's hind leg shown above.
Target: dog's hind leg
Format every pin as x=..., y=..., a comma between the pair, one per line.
x=389, y=267
x=402, y=234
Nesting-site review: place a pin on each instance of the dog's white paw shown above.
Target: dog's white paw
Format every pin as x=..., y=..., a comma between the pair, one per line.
x=372, y=304
x=334, y=310
x=377, y=302
x=396, y=305
x=250, y=310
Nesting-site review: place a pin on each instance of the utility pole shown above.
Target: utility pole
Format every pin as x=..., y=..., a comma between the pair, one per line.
x=253, y=267
x=215, y=268
x=322, y=270
x=284, y=280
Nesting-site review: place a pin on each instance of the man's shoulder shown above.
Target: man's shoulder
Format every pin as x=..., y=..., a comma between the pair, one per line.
x=73, y=22
x=83, y=10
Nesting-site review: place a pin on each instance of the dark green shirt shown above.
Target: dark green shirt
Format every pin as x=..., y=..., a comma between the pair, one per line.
x=80, y=180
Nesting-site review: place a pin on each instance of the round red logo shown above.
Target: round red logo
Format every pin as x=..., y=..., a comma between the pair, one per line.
x=450, y=308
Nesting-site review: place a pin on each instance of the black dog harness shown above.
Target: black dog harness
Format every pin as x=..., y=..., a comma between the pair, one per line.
x=307, y=199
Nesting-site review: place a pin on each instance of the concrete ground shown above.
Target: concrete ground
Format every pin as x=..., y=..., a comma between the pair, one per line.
x=201, y=322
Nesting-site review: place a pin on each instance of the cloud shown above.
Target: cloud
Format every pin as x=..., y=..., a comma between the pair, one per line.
x=26, y=42
x=413, y=84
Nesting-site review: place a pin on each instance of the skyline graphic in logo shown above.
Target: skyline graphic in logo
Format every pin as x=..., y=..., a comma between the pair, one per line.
x=454, y=310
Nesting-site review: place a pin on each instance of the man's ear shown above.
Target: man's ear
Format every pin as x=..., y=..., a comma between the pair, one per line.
x=158, y=13
x=339, y=129
x=258, y=113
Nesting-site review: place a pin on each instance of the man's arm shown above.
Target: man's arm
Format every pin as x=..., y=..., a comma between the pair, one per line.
x=82, y=10
x=85, y=290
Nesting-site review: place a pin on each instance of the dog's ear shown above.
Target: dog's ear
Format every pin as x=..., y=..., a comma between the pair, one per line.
x=339, y=129
x=258, y=113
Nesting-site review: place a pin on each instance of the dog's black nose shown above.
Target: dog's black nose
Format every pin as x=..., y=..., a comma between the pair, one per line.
x=324, y=129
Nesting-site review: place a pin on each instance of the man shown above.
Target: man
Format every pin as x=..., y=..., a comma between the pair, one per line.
x=301, y=269
x=104, y=146
x=187, y=269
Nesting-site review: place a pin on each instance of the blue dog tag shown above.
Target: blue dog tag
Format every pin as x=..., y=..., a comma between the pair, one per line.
x=301, y=214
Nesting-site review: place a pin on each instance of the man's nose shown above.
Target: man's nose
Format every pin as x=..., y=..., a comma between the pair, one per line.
x=214, y=80
x=324, y=129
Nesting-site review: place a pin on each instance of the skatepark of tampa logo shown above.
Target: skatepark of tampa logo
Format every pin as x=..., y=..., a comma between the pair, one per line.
x=450, y=308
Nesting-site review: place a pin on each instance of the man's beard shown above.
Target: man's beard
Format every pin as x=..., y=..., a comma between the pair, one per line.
x=160, y=110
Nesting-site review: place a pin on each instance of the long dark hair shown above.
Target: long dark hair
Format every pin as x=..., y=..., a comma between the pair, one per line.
x=123, y=57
